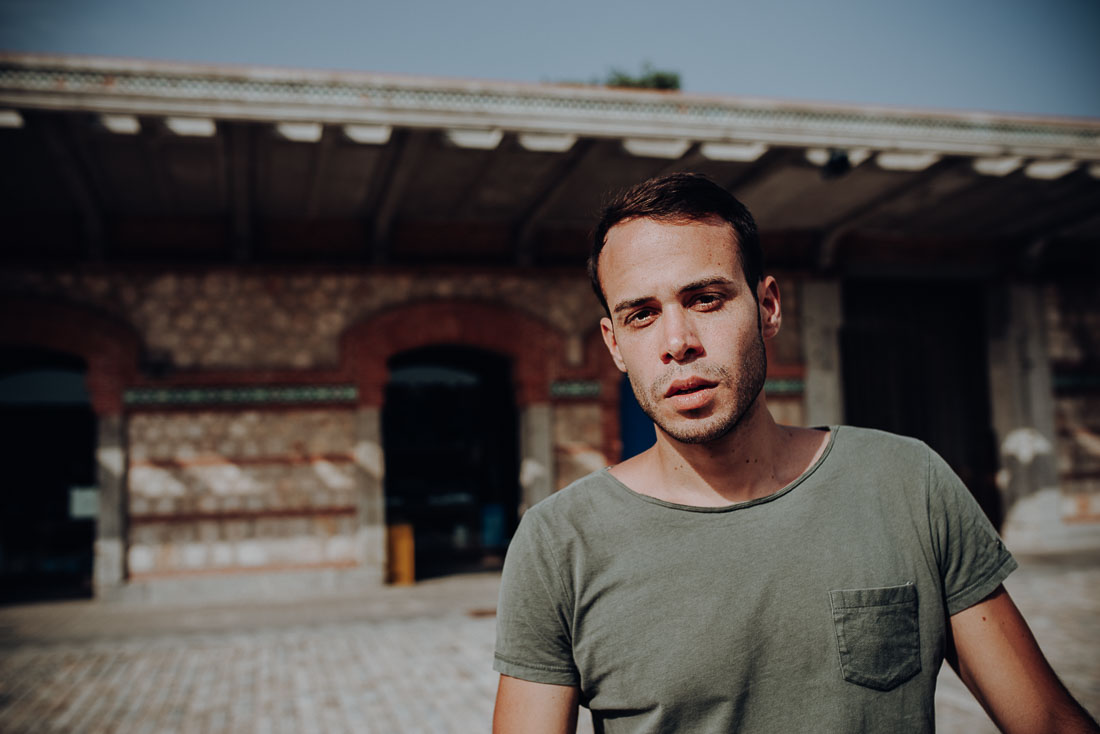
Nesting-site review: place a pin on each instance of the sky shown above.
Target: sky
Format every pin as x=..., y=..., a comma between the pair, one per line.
x=1033, y=57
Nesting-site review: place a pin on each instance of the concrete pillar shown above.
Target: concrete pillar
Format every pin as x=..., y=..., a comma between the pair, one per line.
x=370, y=535
x=821, y=313
x=109, y=560
x=1022, y=404
x=536, y=469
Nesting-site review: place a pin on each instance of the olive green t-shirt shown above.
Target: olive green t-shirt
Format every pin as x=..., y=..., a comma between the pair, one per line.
x=819, y=608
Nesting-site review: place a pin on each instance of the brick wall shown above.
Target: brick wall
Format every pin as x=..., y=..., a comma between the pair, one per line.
x=215, y=487
x=282, y=320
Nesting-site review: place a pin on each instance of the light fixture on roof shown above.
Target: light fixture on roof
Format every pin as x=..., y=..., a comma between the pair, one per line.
x=192, y=127
x=740, y=152
x=368, y=134
x=300, y=132
x=11, y=118
x=547, y=142
x=474, y=139
x=902, y=161
x=656, y=148
x=1049, y=170
x=120, y=124
x=999, y=166
x=836, y=162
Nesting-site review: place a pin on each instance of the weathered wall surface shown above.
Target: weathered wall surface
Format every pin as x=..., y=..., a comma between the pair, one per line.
x=213, y=485
x=1073, y=328
x=247, y=489
x=273, y=320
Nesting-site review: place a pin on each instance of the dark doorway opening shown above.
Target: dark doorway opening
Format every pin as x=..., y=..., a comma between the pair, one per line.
x=914, y=360
x=451, y=444
x=635, y=427
x=48, y=496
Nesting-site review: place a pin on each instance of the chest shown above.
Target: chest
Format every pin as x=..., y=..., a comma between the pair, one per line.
x=720, y=610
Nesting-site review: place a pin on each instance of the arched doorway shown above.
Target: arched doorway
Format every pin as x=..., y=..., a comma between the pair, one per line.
x=451, y=446
x=48, y=500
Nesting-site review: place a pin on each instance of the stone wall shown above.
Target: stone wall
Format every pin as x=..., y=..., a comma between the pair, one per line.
x=240, y=489
x=286, y=320
x=1073, y=328
x=216, y=485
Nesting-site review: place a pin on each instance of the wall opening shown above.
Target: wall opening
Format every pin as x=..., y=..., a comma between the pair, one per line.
x=450, y=436
x=635, y=427
x=914, y=361
x=48, y=499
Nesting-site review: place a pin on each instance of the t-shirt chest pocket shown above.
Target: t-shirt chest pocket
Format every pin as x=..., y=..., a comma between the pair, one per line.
x=877, y=635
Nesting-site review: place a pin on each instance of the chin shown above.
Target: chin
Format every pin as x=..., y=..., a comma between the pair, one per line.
x=700, y=431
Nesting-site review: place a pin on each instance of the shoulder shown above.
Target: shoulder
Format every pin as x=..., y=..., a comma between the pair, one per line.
x=575, y=502
x=871, y=447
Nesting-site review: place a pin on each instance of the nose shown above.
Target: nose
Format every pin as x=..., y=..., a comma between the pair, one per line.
x=681, y=342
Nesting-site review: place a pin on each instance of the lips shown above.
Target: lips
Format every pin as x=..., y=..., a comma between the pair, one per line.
x=688, y=386
x=691, y=393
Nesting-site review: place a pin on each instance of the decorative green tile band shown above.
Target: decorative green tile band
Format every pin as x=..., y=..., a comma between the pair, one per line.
x=575, y=389
x=591, y=388
x=790, y=386
x=275, y=394
x=1075, y=382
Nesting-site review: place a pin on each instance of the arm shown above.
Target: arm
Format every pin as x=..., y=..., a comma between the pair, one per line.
x=524, y=707
x=997, y=658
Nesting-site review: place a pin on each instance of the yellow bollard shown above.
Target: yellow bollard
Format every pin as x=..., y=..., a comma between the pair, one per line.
x=400, y=555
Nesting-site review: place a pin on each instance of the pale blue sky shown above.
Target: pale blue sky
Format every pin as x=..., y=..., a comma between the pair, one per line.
x=1021, y=56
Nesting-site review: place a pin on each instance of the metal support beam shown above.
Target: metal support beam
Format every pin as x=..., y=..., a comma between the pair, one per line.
x=53, y=138
x=322, y=165
x=763, y=165
x=544, y=200
x=410, y=150
x=489, y=159
x=691, y=158
x=239, y=161
x=152, y=141
x=852, y=219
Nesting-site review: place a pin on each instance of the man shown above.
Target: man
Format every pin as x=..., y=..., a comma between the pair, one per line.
x=741, y=575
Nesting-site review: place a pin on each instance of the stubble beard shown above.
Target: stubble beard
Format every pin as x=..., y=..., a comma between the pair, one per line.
x=745, y=388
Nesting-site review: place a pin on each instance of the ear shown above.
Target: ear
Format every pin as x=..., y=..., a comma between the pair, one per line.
x=771, y=312
x=608, y=331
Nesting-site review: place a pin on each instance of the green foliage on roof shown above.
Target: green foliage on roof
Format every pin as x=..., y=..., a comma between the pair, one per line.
x=649, y=78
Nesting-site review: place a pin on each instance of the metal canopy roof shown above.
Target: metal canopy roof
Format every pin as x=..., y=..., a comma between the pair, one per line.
x=135, y=161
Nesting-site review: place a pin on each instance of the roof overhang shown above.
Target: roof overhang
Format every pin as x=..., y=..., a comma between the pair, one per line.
x=824, y=173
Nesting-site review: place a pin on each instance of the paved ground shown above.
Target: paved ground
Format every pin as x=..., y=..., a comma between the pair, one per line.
x=401, y=660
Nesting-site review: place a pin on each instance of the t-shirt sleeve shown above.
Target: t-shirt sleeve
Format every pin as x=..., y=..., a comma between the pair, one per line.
x=972, y=559
x=534, y=640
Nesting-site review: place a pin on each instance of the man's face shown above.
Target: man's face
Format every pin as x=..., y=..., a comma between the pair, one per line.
x=685, y=326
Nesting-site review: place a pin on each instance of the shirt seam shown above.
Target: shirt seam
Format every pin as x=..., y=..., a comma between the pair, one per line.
x=534, y=666
x=565, y=595
x=731, y=510
x=993, y=574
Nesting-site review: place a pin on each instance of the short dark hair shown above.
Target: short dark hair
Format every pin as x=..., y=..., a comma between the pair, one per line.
x=679, y=197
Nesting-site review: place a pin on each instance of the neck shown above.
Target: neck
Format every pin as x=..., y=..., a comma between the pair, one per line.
x=755, y=459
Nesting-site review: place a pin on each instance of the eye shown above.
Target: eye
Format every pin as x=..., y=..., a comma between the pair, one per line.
x=641, y=317
x=707, y=301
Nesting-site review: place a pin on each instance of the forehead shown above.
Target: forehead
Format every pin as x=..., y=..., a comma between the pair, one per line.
x=646, y=254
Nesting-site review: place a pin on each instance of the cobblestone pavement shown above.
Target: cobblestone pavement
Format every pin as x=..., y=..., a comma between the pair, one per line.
x=398, y=660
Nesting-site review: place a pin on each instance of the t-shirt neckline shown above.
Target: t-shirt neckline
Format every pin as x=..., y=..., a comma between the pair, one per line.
x=833, y=430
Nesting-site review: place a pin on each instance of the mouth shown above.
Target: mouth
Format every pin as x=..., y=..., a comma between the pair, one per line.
x=690, y=386
x=690, y=394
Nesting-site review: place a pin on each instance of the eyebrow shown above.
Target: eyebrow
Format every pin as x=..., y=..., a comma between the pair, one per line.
x=694, y=286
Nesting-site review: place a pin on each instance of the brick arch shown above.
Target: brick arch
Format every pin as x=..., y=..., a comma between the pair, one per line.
x=109, y=347
x=535, y=348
